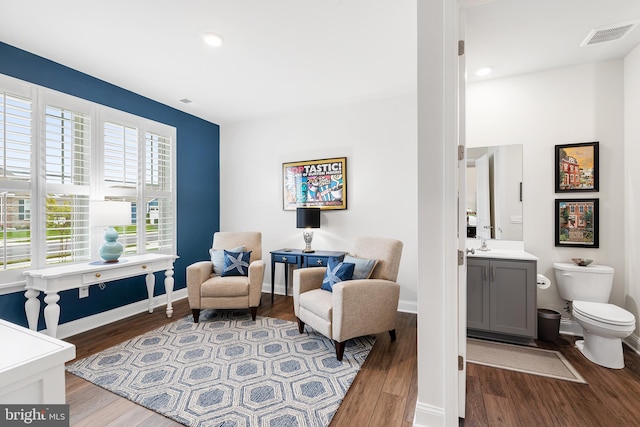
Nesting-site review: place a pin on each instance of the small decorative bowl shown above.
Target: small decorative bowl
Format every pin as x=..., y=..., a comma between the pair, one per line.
x=581, y=261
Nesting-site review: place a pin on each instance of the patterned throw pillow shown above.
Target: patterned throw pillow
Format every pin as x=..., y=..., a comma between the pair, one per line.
x=363, y=268
x=217, y=258
x=337, y=271
x=236, y=263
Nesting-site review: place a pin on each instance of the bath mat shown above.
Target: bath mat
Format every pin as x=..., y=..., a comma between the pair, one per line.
x=529, y=360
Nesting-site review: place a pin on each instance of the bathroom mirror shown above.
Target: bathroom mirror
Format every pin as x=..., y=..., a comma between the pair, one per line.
x=494, y=192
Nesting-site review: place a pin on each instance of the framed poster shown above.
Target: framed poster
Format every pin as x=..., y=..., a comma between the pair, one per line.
x=315, y=183
x=577, y=167
x=577, y=223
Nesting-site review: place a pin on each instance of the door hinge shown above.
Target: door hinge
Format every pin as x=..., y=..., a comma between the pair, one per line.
x=460, y=47
x=460, y=363
x=460, y=257
x=460, y=152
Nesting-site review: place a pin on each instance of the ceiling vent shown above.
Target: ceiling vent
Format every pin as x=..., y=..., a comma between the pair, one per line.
x=609, y=33
x=186, y=101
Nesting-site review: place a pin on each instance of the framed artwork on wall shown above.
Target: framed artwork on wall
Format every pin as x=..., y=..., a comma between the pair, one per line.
x=315, y=183
x=577, y=167
x=576, y=223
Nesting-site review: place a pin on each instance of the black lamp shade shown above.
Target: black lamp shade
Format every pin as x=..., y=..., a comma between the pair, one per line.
x=308, y=218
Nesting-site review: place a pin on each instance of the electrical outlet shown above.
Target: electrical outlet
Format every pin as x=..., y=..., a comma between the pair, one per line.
x=83, y=292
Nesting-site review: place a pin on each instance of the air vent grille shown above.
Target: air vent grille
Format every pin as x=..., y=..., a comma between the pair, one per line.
x=186, y=101
x=609, y=33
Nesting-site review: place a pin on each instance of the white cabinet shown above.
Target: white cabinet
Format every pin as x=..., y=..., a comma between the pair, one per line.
x=32, y=366
x=501, y=297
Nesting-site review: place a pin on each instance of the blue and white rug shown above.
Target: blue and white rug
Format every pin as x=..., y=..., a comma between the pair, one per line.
x=229, y=371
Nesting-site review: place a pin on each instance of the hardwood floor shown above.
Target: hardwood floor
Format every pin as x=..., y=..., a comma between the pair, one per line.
x=383, y=394
x=385, y=390
x=497, y=397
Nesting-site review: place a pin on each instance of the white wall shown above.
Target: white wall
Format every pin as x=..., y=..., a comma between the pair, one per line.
x=632, y=182
x=379, y=140
x=539, y=110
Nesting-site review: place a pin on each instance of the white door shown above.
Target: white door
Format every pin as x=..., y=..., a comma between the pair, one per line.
x=462, y=231
x=483, y=209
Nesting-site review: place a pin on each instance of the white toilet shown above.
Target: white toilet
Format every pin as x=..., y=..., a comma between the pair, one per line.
x=604, y=325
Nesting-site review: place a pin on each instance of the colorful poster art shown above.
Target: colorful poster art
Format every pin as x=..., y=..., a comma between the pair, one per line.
x=577, y=167
x=315, y=183
x=577, y=223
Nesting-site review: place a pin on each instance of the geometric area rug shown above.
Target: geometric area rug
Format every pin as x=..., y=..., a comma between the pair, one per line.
x=229, y=370
x=529, y=360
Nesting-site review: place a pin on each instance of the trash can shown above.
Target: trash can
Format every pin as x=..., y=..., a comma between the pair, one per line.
x=548, y=325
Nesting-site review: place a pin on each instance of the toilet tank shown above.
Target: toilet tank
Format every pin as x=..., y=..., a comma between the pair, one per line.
x=591, y=283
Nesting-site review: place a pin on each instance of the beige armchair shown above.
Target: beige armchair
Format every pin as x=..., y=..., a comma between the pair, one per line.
x=355, y=307
x=207, y=290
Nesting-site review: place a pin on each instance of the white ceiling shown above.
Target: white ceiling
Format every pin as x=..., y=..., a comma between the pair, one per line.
x=285, y=55
x=523, y=36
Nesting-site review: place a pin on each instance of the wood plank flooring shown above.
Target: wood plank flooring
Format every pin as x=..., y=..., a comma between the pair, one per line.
x=385, y=390
x=383, y=394
x=497, y=397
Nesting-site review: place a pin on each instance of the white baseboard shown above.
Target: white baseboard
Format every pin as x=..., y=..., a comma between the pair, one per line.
x=428, y=415
x=403, y=305
x=159, y=302
x=571, y=327
x=90, y=322
x=633, y=342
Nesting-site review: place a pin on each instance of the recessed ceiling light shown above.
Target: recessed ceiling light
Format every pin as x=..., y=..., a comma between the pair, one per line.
x=213, y=39
x=484, y=71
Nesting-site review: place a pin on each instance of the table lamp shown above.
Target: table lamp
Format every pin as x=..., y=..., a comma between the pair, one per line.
x=107, y=214
x=308, y=218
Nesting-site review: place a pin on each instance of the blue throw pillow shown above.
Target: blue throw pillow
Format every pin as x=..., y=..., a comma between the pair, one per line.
x=363, y=267
x=337, y=271
x=236, y=263
x=217, y=258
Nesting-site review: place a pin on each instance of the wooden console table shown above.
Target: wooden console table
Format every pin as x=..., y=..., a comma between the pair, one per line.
x=52, y=280
x=301, y=260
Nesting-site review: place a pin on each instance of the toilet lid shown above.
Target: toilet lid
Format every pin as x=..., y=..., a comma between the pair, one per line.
x=591, y=268
x=605, y=313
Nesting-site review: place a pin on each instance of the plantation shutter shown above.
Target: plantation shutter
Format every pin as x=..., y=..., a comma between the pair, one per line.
x=158, y=192
x=58, y=154
x=120, y=155
x=15, y=176
x=67, y=174
x=15, y=126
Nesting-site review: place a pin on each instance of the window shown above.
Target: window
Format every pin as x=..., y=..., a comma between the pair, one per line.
x=15, y=128
x=59, y=153
x=24, y=210
x=67, y=175
x=158, y=188
x=15, y=176
x=120, y=155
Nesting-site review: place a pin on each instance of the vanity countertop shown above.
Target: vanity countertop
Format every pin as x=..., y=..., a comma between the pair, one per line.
x=500, y=249
x=504, y=254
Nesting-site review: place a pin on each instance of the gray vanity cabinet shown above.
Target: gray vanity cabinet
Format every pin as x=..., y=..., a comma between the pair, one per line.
x=501, y=297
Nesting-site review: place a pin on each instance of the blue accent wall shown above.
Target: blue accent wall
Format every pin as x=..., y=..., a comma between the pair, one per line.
x=198, y=182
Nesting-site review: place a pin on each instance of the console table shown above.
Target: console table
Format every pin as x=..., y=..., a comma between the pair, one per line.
x=300, y=259
x=52, y=280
